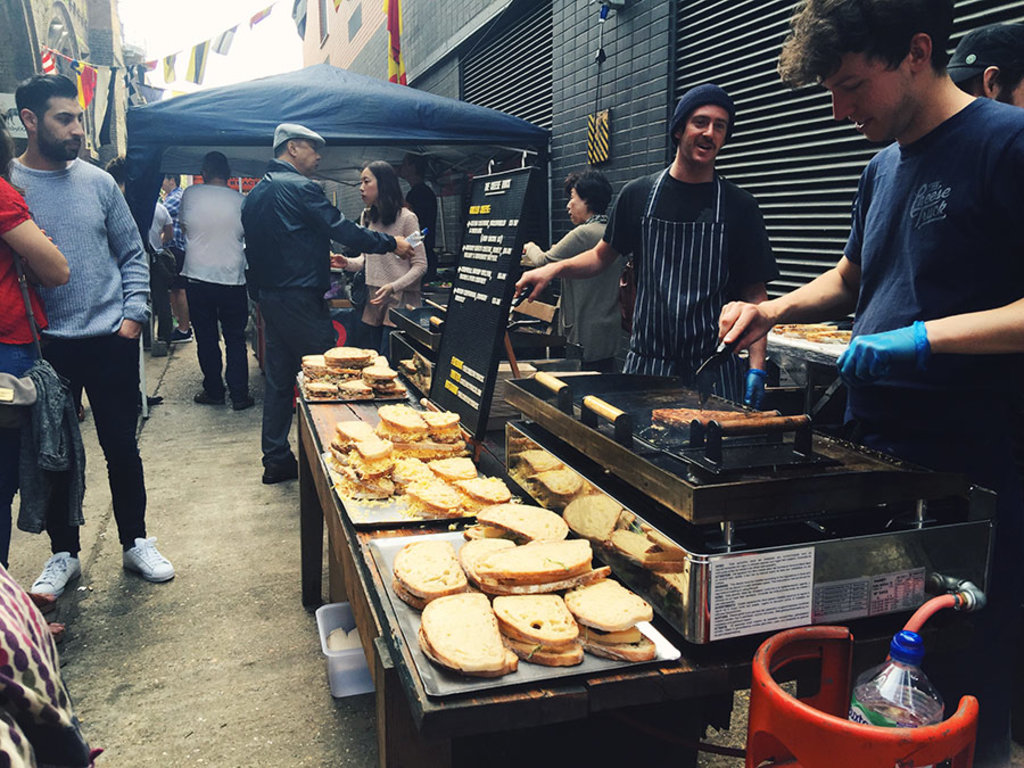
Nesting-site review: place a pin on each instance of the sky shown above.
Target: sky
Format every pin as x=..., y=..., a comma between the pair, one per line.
x=161, y=28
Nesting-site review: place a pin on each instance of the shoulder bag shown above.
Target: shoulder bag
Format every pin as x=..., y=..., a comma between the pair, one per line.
x=17, y=393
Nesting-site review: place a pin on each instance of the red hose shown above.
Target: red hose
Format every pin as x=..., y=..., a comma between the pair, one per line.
x=929, y=609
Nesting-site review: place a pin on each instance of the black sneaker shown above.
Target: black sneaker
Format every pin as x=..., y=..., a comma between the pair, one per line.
x=205, y=398
x=179, y=336
x=277, y=473
x=242, y=403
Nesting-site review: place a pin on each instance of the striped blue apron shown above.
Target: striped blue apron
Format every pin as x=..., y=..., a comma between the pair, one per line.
x=681, y=288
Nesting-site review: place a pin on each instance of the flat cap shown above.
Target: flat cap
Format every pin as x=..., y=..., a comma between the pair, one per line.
x=286, y=131
x=997, y=45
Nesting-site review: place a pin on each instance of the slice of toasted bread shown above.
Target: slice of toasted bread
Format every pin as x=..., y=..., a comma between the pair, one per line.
x=639, y=549
x=377, y=373
x=644, y=650
x=429, y=569
x=555, y=488
x=472, y=551
x=482, y=532
x=540, y=619
x=663, y=544
x=483, y=492
x=536, y=653
x=536, y=563
x=608, y=606
x=371, y=457
x=627, y=636
x=524, y=523
x=407, y=597
x=532, y=461
x=450, y=470
x=314, y=368
x=593, y=516
x=400, y=422
x=443, y=425
x=348, y=432
x=582, y=580
x=461, y=633
x=434, y=499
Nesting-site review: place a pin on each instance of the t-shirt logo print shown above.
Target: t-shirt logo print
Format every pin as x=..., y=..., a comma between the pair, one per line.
x=929, y=204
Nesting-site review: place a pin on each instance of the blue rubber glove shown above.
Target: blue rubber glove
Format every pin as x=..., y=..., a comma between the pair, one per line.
x=754, y=393
x=870, y=358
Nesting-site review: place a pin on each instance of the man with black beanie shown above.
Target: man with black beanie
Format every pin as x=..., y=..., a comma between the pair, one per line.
x=697, y=242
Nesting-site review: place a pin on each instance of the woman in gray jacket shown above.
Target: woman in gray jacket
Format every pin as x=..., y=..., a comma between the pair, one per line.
x=589, y=311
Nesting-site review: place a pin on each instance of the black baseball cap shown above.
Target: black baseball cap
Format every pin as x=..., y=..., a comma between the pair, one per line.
x=991, y=46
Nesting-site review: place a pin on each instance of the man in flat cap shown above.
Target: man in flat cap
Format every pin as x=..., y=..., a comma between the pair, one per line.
x=697, y=241
x=289, y=225
x=989, y=62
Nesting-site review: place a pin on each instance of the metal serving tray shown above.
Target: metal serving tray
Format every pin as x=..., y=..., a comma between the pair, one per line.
x=438, y=681
x=417, y=324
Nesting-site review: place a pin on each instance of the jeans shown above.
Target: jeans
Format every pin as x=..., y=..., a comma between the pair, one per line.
x=16, y=359
x=108, y=368
x=228, y=305
x=160, y=296
x=297, y=324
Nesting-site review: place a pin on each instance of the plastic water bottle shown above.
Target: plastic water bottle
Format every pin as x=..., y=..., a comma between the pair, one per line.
x=897, y=693
x=417, y=237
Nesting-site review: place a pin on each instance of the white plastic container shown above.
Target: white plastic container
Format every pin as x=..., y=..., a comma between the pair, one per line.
x=347, y=671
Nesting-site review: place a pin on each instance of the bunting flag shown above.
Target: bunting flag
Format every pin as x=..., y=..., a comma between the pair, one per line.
x=49, y=65
x=260, y=16
x=151, y=65
x=86, y=77
x=337, y=4
x=197, y=63
x=396, y=67
x=169, y=76
x=222, y=43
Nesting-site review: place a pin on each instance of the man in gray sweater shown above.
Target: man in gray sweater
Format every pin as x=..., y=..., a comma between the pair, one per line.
x=95, y=319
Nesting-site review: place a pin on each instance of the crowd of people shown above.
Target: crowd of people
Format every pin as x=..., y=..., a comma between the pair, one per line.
x=931, y=272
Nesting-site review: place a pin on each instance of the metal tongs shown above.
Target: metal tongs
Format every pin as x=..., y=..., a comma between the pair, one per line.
x=706, y=375
x=516, y=301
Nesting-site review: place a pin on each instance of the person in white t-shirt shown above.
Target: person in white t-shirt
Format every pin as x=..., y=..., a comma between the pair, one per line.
x=161, y=231
x=211, y=219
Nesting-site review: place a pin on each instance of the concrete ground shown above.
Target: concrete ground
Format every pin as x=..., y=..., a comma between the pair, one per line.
x=222, y=666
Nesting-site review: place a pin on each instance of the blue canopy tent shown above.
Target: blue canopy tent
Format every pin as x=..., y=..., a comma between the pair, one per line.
x=361, y=118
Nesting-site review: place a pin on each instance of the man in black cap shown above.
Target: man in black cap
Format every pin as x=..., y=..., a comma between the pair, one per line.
x=989, y=62
x=289, y=225
x=697, y=242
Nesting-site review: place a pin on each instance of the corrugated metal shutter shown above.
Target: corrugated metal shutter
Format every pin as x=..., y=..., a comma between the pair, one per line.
x=787, y=151
x=510, y=68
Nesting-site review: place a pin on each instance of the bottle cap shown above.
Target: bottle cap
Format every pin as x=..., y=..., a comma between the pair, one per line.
x=907, y=647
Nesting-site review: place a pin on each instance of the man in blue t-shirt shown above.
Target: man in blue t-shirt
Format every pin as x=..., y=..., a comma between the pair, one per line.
x=934, y=270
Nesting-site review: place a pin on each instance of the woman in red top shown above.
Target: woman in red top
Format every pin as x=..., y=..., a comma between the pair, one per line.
x=44, y=265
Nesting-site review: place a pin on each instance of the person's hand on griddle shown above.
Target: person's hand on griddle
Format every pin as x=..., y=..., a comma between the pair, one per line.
x=742, y=323
x=536, y=280
x=871, y=358
x=753, y=393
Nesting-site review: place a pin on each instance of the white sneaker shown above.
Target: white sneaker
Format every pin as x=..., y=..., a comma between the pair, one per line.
x=58, y=571
x=146, y=561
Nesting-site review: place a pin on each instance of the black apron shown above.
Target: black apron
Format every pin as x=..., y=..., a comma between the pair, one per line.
x=681, y=289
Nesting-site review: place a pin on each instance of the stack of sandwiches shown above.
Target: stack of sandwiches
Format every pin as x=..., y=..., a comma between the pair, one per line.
x=499, y=567
x=539, y=629
x=346, y=435
x=338, y=374
x=421, y=435
x=383, y=381
x=608, y=613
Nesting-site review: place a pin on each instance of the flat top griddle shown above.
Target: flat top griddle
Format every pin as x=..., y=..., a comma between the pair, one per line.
x=418, y=323
x=838, y=476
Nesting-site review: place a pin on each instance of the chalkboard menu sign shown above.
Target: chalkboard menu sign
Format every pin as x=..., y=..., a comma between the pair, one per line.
x=474, y=326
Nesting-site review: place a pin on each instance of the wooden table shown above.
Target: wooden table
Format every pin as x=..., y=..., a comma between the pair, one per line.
x=414, y=729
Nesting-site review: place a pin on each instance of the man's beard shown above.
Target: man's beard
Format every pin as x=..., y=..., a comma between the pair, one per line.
x=57, y=151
